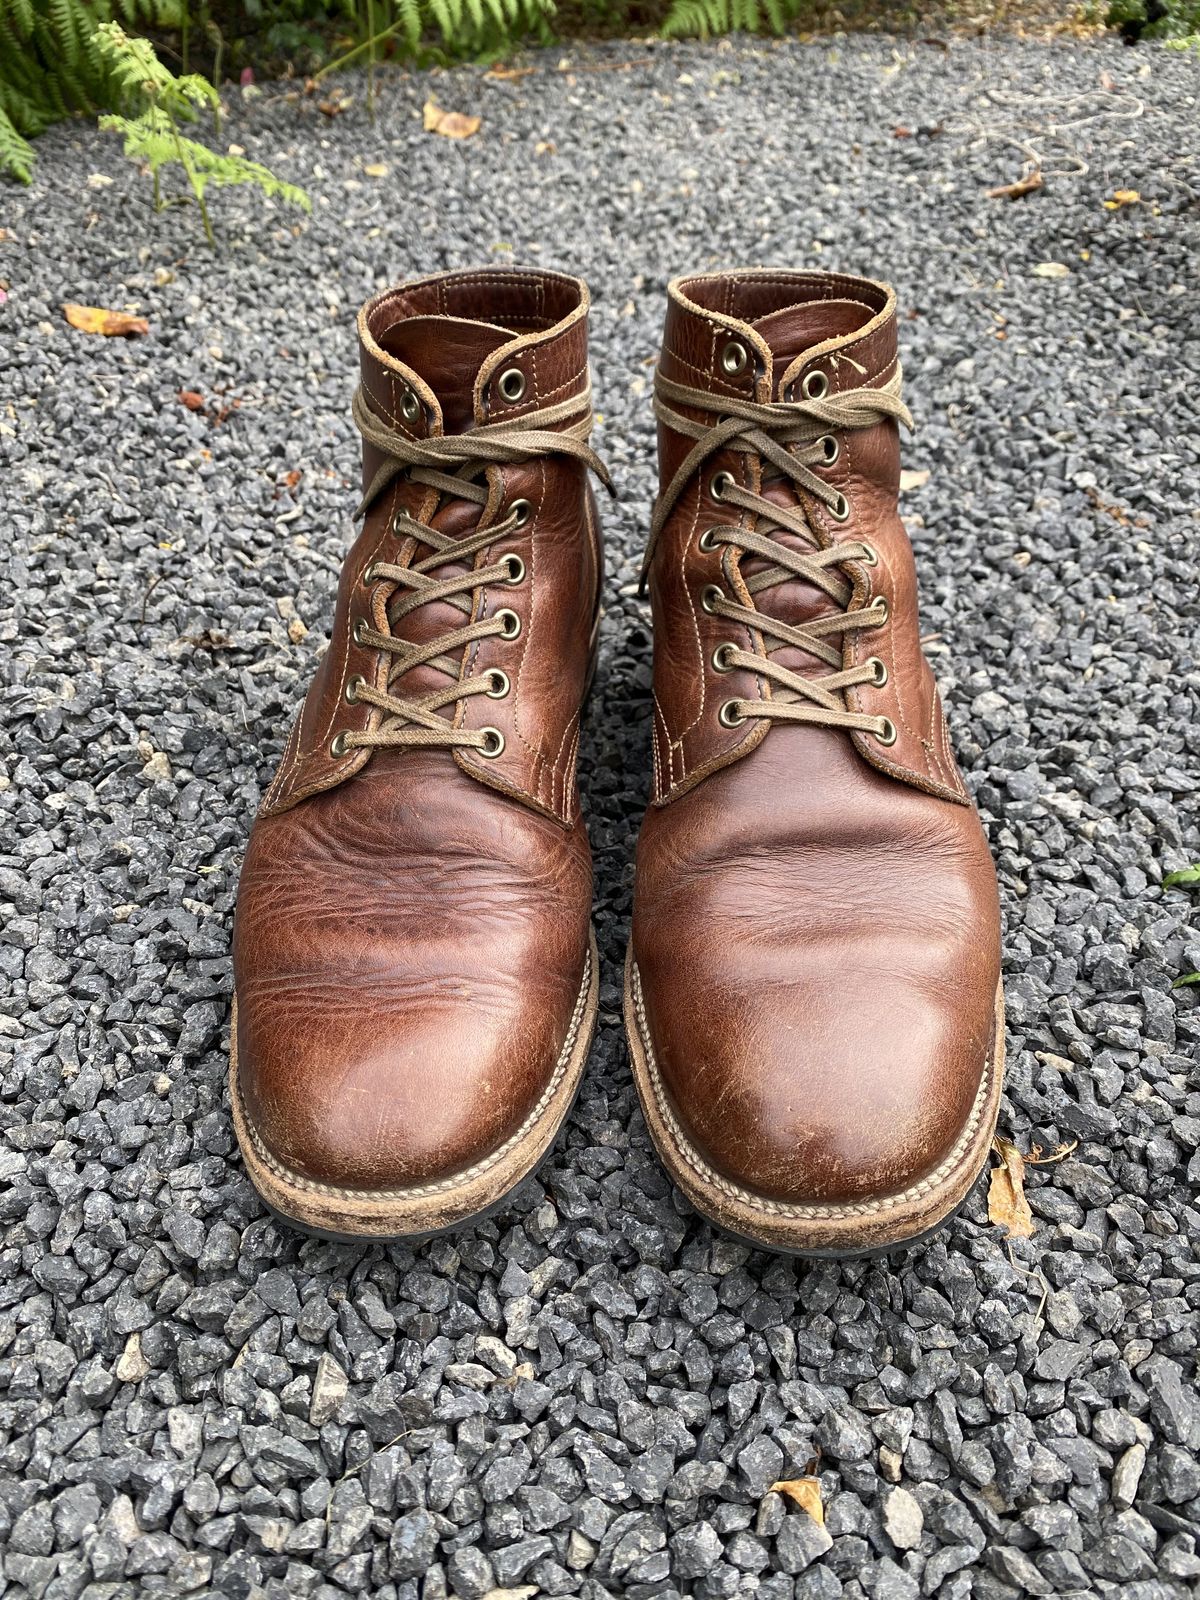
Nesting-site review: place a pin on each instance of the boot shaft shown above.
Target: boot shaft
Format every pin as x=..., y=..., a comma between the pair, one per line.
x=779, y=389
x=448, y=361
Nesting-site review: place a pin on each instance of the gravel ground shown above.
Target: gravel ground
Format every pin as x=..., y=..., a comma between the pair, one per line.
x=592, y=1393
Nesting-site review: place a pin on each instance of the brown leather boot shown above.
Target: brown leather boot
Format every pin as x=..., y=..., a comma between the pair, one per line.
x=813, y=987
x=415, y=975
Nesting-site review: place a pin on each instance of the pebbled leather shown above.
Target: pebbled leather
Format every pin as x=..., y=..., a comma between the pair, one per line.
x=412, y=924
x=816, y=925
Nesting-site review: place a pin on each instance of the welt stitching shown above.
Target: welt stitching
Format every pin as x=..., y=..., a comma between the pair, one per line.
x=310, y=1186
x=944, y=1171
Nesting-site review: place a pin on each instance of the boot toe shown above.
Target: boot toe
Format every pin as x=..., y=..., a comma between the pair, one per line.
x=777, y=1098
x=400, y=1086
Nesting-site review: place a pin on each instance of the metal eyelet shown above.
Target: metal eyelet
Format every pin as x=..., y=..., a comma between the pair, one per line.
x=720, y=658
x=840, y=509
x=353, y=685
x=371, y=573
x=886, y=733
x=511, y=623
x=410, y=406
x=815, y=385
x=707, y=540
x=511, y=384
x=520, y=511
x=709, y=596
x=495, y=744
x=500, y=683
x=880, y=605
x=734, y=359
x=720, y=483
x=729, y=716
x=338, y=746
x=830, y=448
x=870, y=556
x=879, y=671
x=516, y=567
x=359, y=629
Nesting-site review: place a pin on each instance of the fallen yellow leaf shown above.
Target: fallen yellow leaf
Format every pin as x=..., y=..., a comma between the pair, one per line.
x=450, y=124
x=806, y=1492
x=1007, y=1205
x=1122, y=197
x=1051, y=269
x=377, y=169
x=95, y=319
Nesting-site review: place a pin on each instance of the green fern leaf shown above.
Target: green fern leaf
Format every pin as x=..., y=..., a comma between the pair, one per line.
x=61, y=17
x=16, y=154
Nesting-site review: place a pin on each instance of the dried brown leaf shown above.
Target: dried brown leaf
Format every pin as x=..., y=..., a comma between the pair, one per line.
x=450, y=124
x=1035, y=1158
x=192, y=399
x=1007, y=1205
x=112, y=324
x=806, y=1492
x=1029, y=184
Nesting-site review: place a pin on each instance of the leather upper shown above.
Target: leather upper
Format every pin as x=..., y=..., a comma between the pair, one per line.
x=412, y=924
x=844, y=328
x=816, y=925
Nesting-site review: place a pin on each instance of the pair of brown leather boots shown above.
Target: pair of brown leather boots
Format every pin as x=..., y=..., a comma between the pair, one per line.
x=812, y=991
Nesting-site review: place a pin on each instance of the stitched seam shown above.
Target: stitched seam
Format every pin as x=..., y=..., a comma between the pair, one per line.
x=566, y=809
x=956, y=777
x=658, y=717
x=687, y=595
x=337, y=702
x=561, y=388
x=933, y=758
x=814, y=1213
x=286, y=761
x=310, y=1186
x=535, y=751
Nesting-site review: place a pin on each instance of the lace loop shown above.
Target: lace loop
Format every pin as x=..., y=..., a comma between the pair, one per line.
x=793, y=436
x=450, y=464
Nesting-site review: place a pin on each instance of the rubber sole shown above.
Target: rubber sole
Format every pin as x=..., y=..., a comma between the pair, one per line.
x=350, y=1215
x=819, y=1232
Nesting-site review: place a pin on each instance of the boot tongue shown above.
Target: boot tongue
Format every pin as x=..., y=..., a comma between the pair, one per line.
x=792, y=331
x=447, y=352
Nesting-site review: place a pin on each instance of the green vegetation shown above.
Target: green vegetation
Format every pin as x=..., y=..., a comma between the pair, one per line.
x=1185, y=878
x=53, y=62
x=161, y=104
x=704, y=18
x=1175, y=20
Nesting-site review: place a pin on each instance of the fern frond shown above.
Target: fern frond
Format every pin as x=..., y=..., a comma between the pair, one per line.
x=16, y=154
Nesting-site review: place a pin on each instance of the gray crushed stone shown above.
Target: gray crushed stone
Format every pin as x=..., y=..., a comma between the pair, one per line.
x=592, y=1393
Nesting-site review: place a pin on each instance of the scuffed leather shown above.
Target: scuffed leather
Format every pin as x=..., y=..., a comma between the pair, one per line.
x=408, y=952
x=412, y=925
x=816, y=922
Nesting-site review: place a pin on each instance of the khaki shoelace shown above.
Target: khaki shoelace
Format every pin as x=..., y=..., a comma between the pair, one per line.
x=451, y=464
x=793, y=436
